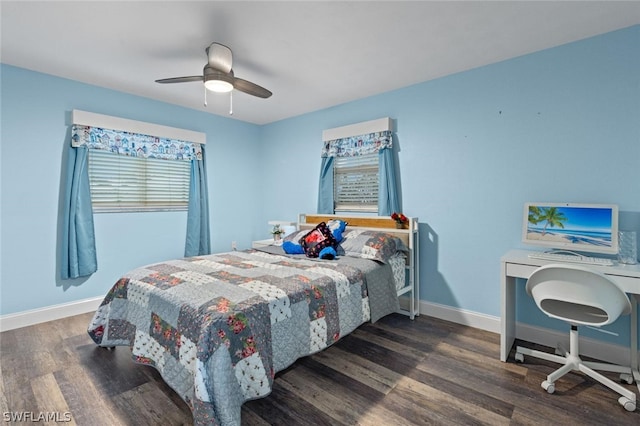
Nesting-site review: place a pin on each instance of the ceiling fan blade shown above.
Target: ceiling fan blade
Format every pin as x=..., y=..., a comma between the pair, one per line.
x=218, y=71
x=181, y=79
x=220, y=57
x=251, y=88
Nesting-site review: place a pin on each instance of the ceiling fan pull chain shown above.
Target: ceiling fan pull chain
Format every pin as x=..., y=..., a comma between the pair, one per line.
x=231, y=102
x=205, y=96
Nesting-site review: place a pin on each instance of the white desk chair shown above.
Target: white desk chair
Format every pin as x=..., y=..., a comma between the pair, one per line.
x=579, y=296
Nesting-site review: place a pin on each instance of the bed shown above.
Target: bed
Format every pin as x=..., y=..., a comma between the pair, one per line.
x=219, y=327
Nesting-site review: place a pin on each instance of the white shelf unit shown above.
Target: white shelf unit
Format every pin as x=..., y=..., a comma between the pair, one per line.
x=265, y=243
x=412, y=290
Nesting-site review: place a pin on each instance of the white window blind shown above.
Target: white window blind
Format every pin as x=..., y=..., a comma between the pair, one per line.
x=355, y=183
x=122, y=183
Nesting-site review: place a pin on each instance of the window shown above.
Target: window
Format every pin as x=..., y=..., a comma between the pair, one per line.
x=355, y=183
x=357, y=172
x=121, y=183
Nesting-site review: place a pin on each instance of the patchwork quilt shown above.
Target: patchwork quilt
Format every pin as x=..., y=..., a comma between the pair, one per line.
x=218, y=327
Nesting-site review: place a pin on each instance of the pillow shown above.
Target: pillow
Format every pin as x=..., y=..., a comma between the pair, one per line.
x=374, y=245
x=318, y=238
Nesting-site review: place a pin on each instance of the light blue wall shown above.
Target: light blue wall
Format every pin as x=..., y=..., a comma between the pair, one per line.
x=558, y=125
x=35, y=128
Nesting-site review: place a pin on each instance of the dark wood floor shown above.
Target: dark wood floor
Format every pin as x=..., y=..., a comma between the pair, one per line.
x=394, y=372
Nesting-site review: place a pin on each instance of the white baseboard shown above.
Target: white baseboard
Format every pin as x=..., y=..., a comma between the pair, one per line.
x=461, y=316
x=49, y=313
x=598, y=349
x=594, y=348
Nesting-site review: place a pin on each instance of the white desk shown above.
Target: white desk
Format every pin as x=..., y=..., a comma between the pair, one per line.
x=517, y=264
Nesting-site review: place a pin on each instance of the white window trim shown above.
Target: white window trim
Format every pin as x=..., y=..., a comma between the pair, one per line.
x=92, y=119
x=363, y=128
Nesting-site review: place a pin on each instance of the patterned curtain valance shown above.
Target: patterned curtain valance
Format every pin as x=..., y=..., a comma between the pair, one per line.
x=357, y=145
x=134, y=144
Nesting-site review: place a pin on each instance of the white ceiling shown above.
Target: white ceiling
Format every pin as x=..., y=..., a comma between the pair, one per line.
x=311, y=55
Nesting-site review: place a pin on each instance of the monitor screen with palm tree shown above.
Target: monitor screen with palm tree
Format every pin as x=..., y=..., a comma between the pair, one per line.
x=577, y=227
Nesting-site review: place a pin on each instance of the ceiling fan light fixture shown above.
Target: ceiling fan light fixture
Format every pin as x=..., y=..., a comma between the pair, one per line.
x=218, y=86
x=218, y=77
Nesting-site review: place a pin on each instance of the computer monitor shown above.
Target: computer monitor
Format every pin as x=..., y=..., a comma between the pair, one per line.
x=576, y=227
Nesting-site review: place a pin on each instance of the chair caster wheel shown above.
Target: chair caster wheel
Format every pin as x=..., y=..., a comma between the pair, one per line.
x=519, y=357
x=627, y=403
x=627, y=378
x=548, y=386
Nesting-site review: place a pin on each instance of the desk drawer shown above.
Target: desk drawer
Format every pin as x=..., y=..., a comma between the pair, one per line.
x=627, y=284
x=520, y=271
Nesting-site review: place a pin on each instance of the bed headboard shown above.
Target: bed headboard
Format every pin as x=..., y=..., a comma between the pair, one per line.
x=378, y=223
x=409, y=235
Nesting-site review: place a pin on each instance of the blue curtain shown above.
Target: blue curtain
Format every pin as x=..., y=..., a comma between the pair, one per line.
x=78, y=257
x=388, y=200
x=382, y=143
x=198, y=239
x=325, y=189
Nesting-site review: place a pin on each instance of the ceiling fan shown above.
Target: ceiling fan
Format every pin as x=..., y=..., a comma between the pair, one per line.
x=218, y=74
